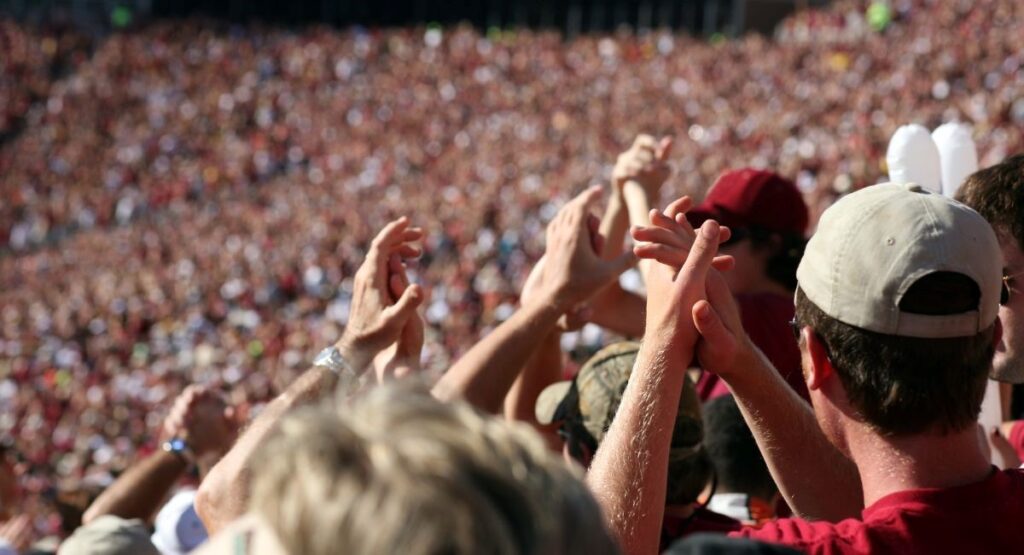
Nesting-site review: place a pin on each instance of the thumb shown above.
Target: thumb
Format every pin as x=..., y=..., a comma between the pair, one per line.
x=622, y=262
x=717, y=338
x=411, y=298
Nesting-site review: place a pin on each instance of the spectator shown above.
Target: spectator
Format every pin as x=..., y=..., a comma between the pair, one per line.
x=382, y=308
x=441, y=478
x=767, y=218
x=584, y=408
x=198, y=431
x=447, y=476
x=997, y=193
x=898, y=293
x=187, y=202
x=745, y=489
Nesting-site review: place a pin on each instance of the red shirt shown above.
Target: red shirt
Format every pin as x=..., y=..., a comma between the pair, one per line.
x=985, y=517
x=766, y=319
x=1016, y=438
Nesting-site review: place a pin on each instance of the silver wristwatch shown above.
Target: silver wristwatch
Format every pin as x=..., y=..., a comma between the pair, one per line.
x=331, y=359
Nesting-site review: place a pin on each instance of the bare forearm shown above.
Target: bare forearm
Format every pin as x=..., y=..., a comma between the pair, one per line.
x=614, y=224
x=543, y=369
x=638, y=205
x=613, y=308
x=224, y=493
x=139, y=492
x=629, y=473
x=484, y=375
x=818, y=482
x=620, y=311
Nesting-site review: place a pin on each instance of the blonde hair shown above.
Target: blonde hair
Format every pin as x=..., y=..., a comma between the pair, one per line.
x=400, y=472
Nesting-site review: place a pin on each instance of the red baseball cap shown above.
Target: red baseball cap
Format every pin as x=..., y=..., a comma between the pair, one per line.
x=753, y=198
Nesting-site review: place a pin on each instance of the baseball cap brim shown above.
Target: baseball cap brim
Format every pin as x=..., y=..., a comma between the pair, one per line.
x=549, y=407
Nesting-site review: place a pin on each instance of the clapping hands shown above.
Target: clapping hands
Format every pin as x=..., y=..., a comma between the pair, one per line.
x=689, y=303
x=384, y=304
x=573, y=269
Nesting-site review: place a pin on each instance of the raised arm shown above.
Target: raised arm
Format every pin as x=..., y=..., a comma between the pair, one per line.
x=206, y=426
x=817, y=481
x=629, y=472
x=640, y=172
x=572, y=272
x=374, y=324
x=543, y=369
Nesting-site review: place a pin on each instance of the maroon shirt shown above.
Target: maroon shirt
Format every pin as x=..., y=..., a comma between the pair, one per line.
x=1016, y=438
x=766, y=319
x=984, y=517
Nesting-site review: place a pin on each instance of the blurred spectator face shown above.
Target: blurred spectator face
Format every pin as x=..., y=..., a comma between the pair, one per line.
x=751, y=263
x=1009, y=358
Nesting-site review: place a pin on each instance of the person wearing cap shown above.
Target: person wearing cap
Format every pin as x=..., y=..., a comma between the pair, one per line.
x=199, y=428
x=897, y=313
x=585, y=406
x=767, y=216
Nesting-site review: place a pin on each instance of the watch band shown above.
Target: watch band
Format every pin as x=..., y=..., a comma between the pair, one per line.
x=177, y=446
x=332, y=359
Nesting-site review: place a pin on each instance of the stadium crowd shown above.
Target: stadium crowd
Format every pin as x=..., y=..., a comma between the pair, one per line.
x=190, y=204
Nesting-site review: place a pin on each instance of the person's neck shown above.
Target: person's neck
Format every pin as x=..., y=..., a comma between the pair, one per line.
x=932, y=460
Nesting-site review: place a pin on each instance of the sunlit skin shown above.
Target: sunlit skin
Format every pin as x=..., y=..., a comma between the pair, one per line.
x=1009, y=359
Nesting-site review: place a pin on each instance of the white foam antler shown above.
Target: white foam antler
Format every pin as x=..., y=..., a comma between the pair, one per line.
x=957, y=155
x=912, y=157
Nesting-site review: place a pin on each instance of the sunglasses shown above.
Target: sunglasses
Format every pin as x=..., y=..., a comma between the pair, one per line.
x=795, y=327
x=1004, y=291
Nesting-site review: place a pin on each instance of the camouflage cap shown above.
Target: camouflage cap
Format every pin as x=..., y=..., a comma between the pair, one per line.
x=599, y=386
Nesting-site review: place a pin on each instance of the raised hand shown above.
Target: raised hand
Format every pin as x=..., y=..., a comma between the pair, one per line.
x=376, y=321
x=669, y=237
x=573, y=270
x=669, y=240
x=202, y=418
x=646, y=163
x=402, y=358
x=672, y=293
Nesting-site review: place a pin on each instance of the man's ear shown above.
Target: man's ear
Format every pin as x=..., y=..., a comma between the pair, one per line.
x=821, y=367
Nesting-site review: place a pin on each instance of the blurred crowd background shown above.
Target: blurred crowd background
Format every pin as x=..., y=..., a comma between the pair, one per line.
x=187, y=201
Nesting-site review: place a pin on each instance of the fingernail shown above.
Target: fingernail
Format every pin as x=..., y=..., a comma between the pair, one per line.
x=710, y=229
x=704, y=312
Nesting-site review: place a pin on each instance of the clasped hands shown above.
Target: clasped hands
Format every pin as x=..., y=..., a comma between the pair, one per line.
x=689, y=306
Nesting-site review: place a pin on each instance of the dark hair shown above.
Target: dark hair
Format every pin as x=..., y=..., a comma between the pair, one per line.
x=733, y=451
x=788, y=249
x=997, y=193
x=687, y=477
x=909, y=385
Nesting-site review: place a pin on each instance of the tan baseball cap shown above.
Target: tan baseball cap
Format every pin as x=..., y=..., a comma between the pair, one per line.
x=872, y=245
